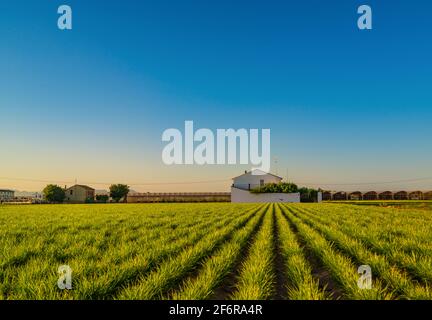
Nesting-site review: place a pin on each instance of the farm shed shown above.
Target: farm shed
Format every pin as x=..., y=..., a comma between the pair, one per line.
x=386, y=195
x=341, y=195
x=415, y=195
x=326, y=195
x=427, y=195
x=356, y=195
x=371, y=195
x=401, y=195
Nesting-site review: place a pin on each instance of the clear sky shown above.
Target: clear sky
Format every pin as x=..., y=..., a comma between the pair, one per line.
x=343, y=105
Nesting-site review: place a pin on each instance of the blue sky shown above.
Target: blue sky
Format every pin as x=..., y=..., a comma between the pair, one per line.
x=343, y=105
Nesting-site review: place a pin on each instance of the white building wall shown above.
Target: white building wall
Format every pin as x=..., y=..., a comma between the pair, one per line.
x=244, y=196
x=249, y=181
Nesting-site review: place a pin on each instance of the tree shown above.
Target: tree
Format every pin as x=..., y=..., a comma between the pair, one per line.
x=118, y=191
x=54, y=193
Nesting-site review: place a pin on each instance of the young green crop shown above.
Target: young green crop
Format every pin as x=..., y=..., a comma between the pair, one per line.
x=407, y=252
x=169, y=273
x=91, y=273
x=107, y=246
x=396, y=279
x=340, y=267
x=257, y=276
x=193, y=251
x=216, y=268
x=302, y=285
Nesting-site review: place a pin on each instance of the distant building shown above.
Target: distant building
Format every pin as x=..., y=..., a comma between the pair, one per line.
x=326, y=195
x=253, y=179
x=415, y=195
x=6, y=195
x=240, y=190
x=386, y=195
x=371, y=195
x=356, y=195
x=79, y=194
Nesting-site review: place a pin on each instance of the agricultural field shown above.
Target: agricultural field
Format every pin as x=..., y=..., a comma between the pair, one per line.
x=403, y=204
x=215, y=251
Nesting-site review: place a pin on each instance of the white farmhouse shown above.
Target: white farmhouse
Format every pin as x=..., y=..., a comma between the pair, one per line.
x=240, y=190
x=253, y=179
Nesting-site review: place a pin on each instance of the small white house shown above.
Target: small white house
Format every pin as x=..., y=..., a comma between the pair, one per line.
x=240, y=190
x=253, y=179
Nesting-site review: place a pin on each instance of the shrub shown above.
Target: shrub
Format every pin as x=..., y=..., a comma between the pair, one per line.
x=306, y=194
x=283, y=187
x=103, y=198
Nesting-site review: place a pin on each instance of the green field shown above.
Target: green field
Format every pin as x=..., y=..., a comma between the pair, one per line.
x=215, y=251
x=408, y=204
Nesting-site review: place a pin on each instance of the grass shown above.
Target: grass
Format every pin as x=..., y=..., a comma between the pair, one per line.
x=195, y=251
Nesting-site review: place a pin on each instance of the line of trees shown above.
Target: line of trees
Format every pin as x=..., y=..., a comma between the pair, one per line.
x=306, y=194
x=56, y=194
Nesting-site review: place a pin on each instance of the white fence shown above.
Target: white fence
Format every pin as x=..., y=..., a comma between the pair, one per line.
x=239, y=195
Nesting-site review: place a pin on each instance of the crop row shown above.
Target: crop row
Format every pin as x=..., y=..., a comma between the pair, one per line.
x=396, y=279
x=272, y=251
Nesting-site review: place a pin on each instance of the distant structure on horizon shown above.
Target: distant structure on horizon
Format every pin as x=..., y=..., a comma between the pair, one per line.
x=240, y=189
x=7, y=195
x=79, y=194
x=151, y=197
x=376, y=195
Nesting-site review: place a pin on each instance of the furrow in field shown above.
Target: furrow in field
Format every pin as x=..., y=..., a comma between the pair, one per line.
x=417, y=265
x=105, y=280
x=257, y=276
x=299, y=284
x=280, y=292
x=228, y=285
x=409, y=231
x=397, y=279
x=320, y=272
x=160, y=251
x=18, y=258
x=217, y=267
x=340, y=267
x=172, y=271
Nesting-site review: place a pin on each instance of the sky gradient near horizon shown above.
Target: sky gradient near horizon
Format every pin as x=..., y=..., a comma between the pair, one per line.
x=344, y=106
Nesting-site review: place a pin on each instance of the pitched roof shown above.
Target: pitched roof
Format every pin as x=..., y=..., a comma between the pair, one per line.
x=262, y=172
x=82, y=186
